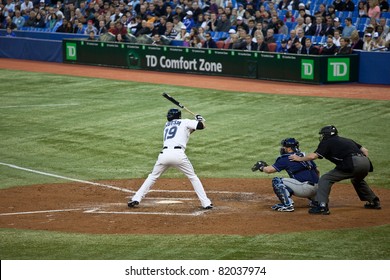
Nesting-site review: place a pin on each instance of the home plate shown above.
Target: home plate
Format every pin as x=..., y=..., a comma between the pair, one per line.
x=169, y=202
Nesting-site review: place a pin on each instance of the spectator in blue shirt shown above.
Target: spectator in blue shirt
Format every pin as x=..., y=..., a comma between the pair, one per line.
x=18, y=19
x=348, y=28
x=10, y=32
x=283, y=47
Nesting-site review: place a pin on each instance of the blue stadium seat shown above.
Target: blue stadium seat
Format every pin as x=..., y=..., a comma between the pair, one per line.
x=223, y=35
x=279, y=37
x=319, y=40
x=291, y=25
x=385, y=14
x=339, y=14
x=282, y=13
x=355, y=21
x=313, y=9
x=177, y=43
x=361, y=26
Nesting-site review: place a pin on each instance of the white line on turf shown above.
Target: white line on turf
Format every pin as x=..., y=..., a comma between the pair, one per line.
x=38, y=212
x=98, y=211
x=218, y=192
x=196, y=213
x=66, y=178
x=109, y=186
x=39, y=105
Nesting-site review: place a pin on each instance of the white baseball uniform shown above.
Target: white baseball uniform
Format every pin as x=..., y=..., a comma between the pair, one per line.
x=176, y=135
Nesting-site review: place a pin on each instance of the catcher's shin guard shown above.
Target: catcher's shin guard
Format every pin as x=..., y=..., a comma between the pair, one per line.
x=281, y=191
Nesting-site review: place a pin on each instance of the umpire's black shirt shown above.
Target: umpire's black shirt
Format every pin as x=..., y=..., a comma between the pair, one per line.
x=339, y=150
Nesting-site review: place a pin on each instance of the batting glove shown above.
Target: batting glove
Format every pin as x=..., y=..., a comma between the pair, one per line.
x=199, y=118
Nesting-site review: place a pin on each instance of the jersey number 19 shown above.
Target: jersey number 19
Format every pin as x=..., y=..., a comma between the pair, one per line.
x=169, y=133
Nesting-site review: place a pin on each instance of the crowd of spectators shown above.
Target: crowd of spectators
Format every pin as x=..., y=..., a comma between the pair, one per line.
x=245, y=24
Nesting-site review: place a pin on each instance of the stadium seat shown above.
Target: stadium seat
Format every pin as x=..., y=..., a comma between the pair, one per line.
x=177, y=43
x=385, y=14
x=279, y=37
x=291, y=25
x=355, y=21
x=282, y=13
x=222, y=35
x=272, y=47
x=361, y=26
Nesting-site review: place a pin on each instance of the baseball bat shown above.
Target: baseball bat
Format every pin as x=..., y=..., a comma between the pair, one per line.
x=177, y=103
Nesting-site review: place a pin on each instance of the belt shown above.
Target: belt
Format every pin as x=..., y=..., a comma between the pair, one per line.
x=176, y=147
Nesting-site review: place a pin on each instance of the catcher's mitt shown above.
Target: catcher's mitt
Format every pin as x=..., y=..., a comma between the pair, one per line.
x=259, y=166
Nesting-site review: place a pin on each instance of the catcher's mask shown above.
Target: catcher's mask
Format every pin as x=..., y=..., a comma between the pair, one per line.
x=289, y=143
x=327, y=131
x=173, y=114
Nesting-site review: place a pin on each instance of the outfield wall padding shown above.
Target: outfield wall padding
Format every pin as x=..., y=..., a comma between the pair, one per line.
x=365, y=67
x=31, y=49
x=374, y=68
x=219, y=62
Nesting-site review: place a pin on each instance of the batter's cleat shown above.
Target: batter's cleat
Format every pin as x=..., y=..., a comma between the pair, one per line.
x=208, y=207
x=132, y=204
x=277, y=206
x=319, y=210
x=280, y=205
x=373, y=205
x=288, y=208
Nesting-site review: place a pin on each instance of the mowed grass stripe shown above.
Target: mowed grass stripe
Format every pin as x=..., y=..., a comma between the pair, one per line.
x=116, y=133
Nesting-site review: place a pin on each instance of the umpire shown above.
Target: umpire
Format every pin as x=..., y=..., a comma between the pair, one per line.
x=351, y=161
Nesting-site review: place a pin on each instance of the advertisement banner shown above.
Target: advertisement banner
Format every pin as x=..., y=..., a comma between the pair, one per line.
x=220, y=62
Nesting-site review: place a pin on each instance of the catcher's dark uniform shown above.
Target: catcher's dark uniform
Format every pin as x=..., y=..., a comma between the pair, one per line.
x=350, y=164
x=304, y=171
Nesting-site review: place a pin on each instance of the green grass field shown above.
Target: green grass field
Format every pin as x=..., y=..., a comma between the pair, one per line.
x=95, y=129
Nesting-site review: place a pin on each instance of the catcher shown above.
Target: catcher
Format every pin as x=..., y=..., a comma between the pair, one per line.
x=303, y=176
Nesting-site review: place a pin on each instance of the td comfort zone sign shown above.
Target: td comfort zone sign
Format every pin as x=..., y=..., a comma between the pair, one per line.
x=338, y=69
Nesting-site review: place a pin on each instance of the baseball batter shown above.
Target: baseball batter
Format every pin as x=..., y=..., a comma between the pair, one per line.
x=303, y=175
x=176, y=135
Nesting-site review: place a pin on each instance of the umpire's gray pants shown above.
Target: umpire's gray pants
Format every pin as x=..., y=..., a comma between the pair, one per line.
x=361, y=167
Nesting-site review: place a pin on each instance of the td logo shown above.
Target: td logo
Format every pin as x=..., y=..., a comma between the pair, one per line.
x=71, y=53
x=307, y=69
x=338, y=69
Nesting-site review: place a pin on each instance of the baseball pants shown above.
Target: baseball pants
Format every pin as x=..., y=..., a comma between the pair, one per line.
x=173, y=158
x=361, y=167
x=300, y=189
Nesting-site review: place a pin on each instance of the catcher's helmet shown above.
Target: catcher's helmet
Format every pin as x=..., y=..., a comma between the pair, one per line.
x=289, y=143
x=173, y=114
x=327, y=132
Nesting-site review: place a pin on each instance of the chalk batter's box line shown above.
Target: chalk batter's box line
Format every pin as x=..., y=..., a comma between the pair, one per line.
x=98, y=211
x=110, y=186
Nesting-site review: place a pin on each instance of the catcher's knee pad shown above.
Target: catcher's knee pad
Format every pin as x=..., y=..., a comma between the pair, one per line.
x=281, y=191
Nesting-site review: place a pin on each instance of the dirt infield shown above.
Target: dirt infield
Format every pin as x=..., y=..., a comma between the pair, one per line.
x=242, y=206
x=352, y=90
